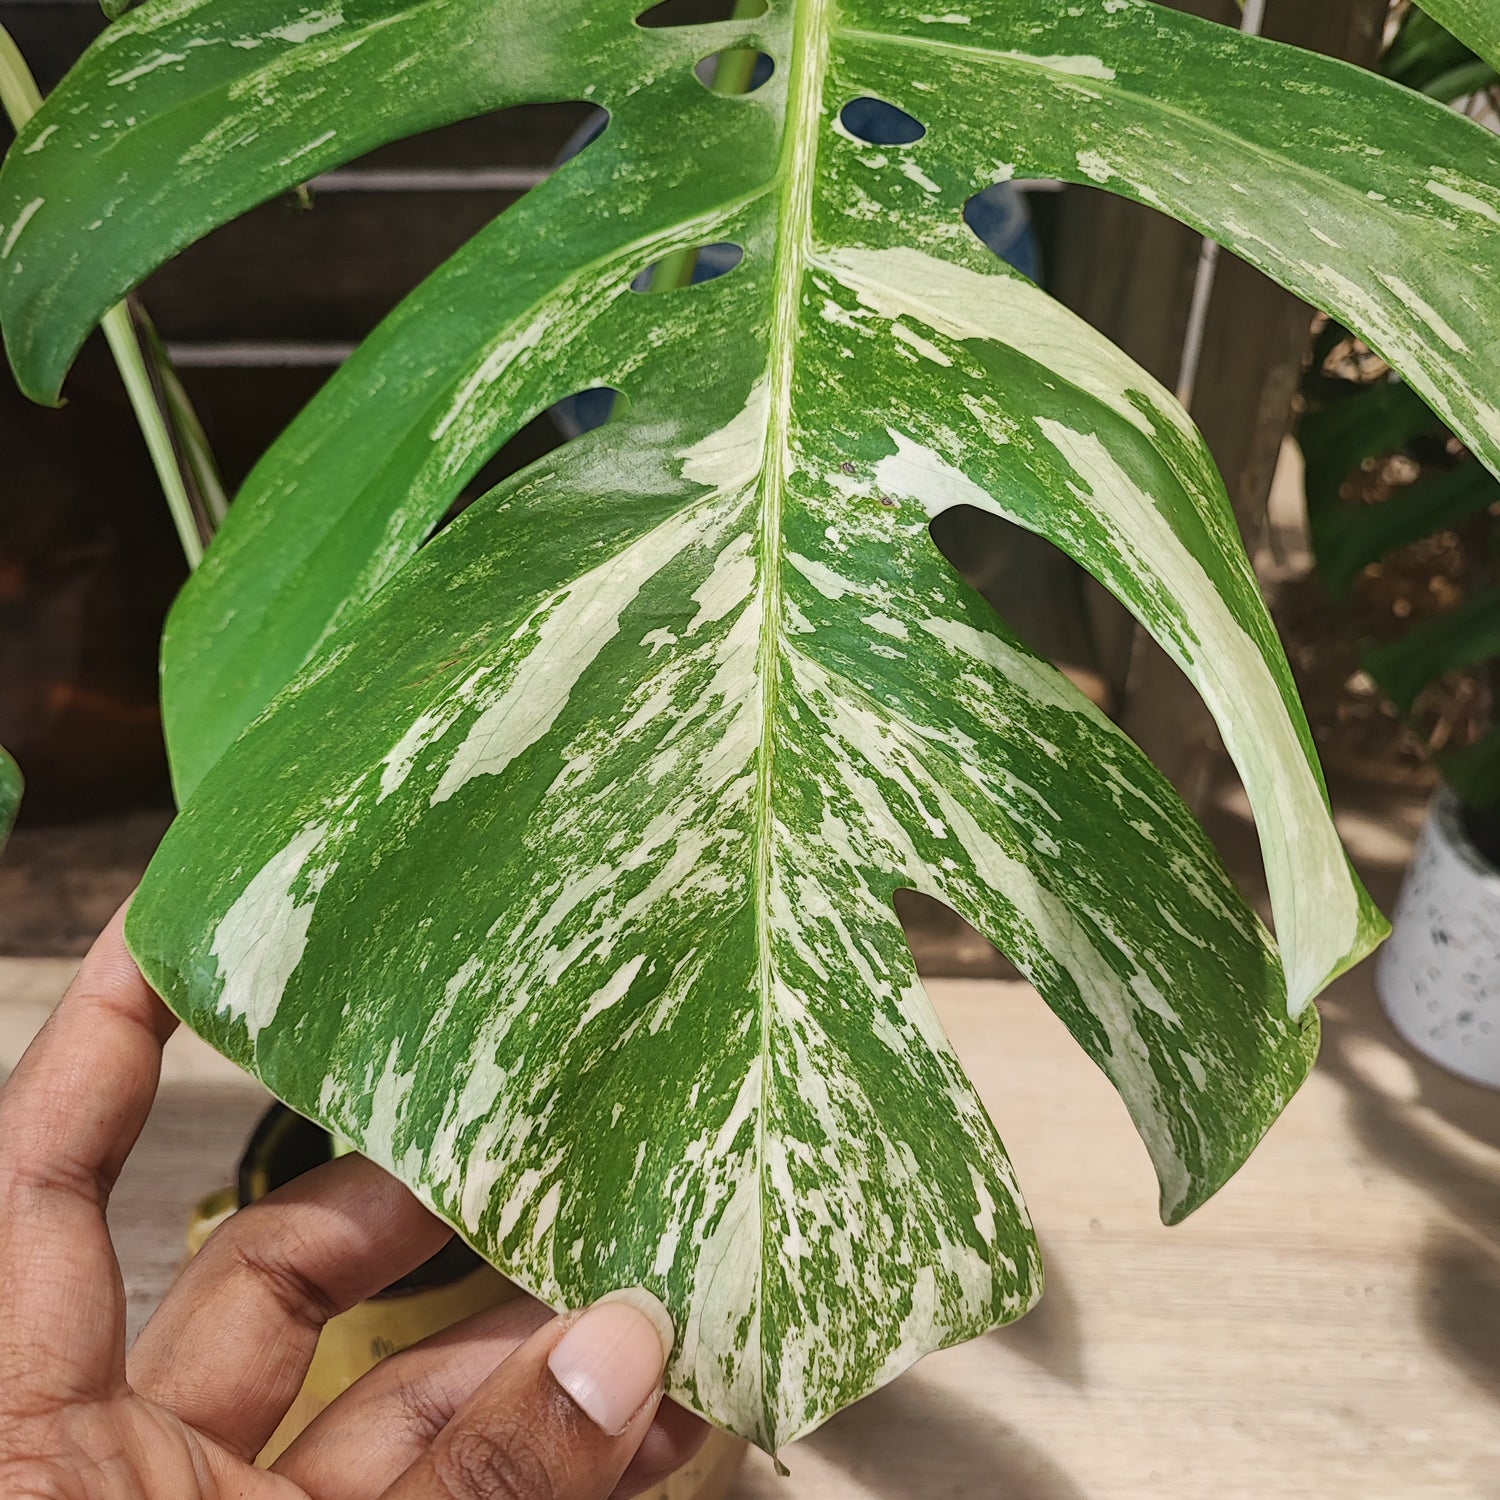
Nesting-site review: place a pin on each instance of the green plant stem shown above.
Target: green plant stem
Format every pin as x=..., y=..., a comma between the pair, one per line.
x=18, y=91
x=127, y=352
x=22, y=99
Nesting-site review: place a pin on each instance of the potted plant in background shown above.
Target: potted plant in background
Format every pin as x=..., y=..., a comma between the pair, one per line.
x=550, y=861
x=1386, y=473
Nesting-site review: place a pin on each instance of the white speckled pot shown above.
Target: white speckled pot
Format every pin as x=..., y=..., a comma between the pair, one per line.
x=1439, y=975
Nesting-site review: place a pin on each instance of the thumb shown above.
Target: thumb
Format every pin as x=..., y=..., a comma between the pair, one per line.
x=561, y=1417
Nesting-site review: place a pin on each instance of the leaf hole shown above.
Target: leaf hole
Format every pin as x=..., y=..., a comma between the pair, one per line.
x=689, y=267
x=942, y=942
x=1000, y=218
x=738, y=70
x=545, y=433
x=588, y=130
x=580, y=413
x=700, y=12
x=1039, y=590
x=502, y=151
x=879, y=123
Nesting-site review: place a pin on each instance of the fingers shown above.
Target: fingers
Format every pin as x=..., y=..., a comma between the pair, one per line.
x=229, y=1346
x=380, y=1427
x=560, y=1419
x=69, y=1116
x=382, y=1424
x=673, y=1437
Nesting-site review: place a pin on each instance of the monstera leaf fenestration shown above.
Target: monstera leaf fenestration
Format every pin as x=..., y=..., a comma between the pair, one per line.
x=553, y=863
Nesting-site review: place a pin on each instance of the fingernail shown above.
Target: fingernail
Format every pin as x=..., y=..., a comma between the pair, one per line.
x=611, y=1360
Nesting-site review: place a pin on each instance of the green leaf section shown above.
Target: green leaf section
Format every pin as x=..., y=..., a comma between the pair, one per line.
x=1472, y=21
x=1462, y=637
x=1427, y=57
x=1045, y=88
x=1336, y=440
x=11, y=787
x=1421, y=51
x=1060, y=102
x=1467, y=78
x=1370, y=423
x=1351, y=429
x=560, y=877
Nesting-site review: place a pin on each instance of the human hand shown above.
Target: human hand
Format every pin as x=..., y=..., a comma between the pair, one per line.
x=509, y=1405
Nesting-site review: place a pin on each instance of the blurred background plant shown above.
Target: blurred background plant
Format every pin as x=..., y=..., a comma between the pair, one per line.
x=1405, y=525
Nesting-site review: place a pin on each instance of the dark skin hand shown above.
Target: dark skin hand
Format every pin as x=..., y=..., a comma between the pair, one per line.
x=513, y=1404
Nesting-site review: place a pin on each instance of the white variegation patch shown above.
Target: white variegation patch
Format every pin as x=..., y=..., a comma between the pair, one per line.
x=960, y=304
x=259, y=940
x=518, y=707
x=1314, y=900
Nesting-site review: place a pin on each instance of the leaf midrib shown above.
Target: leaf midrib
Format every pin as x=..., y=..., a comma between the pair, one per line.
x=812, y=27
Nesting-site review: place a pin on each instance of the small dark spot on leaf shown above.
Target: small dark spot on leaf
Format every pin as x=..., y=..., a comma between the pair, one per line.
x=848, y=468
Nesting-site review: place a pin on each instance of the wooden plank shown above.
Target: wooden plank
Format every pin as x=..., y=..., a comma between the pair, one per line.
x=59, y=885
x=329, y=272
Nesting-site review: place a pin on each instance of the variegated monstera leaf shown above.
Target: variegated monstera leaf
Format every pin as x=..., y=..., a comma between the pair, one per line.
x=555, y=867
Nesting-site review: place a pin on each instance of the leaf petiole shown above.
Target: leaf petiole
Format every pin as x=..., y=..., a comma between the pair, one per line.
x=22, y=98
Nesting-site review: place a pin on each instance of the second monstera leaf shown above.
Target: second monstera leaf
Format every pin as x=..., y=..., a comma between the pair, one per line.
x=553, y=863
